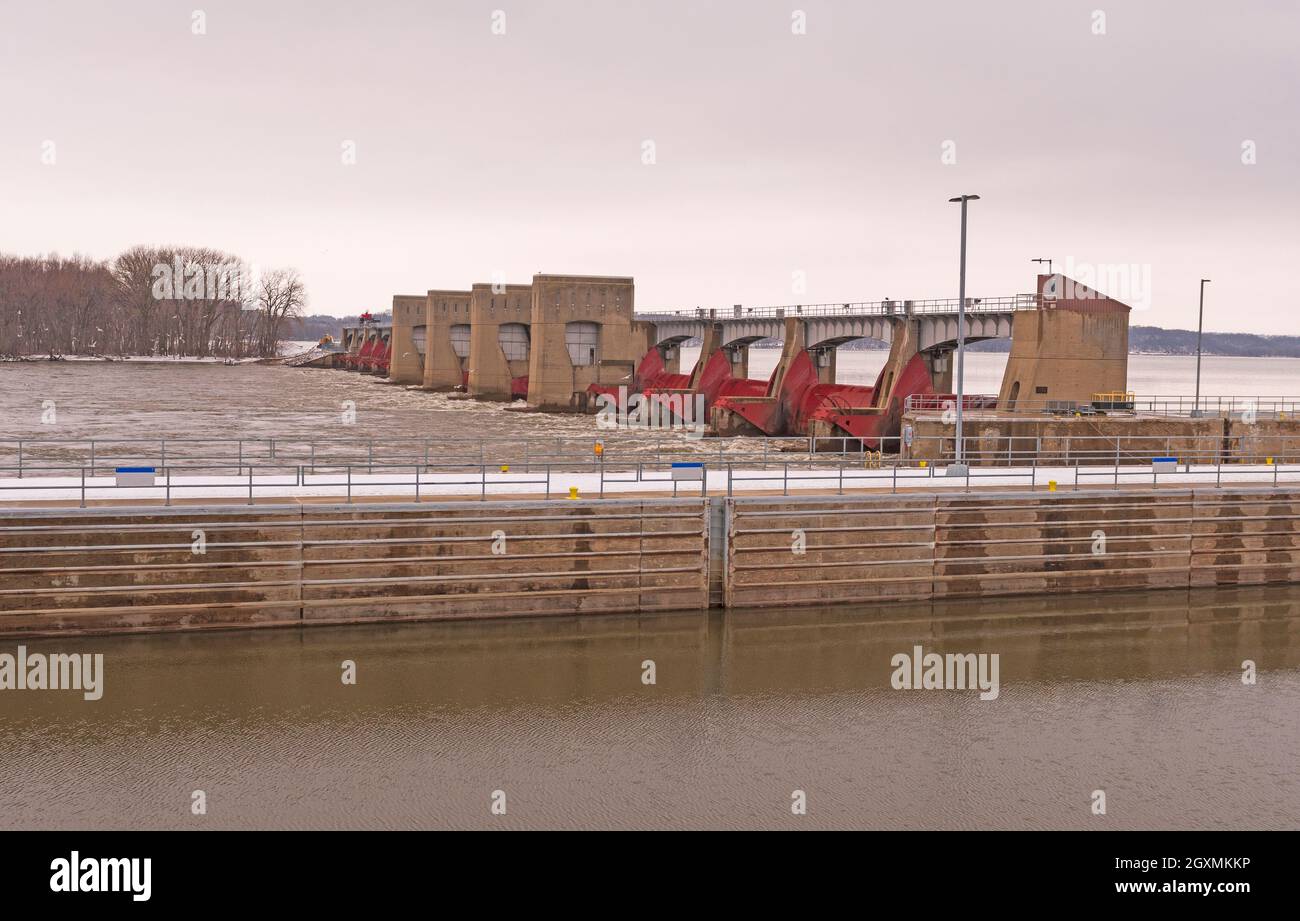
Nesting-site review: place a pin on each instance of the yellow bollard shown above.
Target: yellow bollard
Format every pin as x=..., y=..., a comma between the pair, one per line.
x=1269, y=461
x=505, y=468
x=923, y=464
x=599, y=449
x=573, y=492
x=1051, y=485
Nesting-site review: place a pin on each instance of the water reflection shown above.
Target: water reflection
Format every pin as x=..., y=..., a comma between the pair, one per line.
x=1140, y=695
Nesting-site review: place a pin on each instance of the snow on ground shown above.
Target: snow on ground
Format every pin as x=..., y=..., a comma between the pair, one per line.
x=655, y=478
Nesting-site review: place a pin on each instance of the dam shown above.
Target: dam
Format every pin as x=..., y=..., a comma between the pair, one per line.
x=562, y=341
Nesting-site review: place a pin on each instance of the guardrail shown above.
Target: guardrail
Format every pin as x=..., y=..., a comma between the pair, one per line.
x=22, y=458
x=598, y=479
x=853, y=308
x=43, y=459
x=1263, y=407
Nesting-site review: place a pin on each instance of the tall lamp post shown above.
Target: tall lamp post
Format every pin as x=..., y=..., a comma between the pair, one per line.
x=1200, y=323
x=959, y=467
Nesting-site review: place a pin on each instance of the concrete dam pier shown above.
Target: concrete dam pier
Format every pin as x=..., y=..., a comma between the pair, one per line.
x=140, y=569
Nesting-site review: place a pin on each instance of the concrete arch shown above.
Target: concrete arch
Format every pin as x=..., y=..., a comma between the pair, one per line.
x=940, y=332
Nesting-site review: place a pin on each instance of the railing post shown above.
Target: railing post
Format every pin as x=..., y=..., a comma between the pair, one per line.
x=349, y=469
x=83, y=487
x=417, y=483
x=20, y=459
x=548, y=480
x=785, y=479
x=482, y=475
x=704, y=479
x=92, y=457
x=250, y=484
x=167, y=480
x=841, y=476
x=729, y=493
x=370, y=456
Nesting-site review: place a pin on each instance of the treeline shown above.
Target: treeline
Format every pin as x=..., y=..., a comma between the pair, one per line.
x=187, y=302
x=321, y=324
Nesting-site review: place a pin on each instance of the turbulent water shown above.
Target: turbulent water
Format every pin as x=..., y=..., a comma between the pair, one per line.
x=746, y=709
x=148, y=402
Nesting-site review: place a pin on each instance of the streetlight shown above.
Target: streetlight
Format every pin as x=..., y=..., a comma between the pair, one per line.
x=1200, y=323
x=959, y=468
x=1040, y=264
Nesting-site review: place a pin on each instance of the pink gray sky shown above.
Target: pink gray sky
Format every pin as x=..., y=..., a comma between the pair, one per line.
x=736, y=151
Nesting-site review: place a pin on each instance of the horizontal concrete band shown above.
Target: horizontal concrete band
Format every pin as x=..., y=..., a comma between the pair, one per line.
x=924, y=547
x=126, y=570
x=122, y=570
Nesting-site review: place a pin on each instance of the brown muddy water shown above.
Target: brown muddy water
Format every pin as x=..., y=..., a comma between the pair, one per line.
x=1140, y=696
x=148, y=401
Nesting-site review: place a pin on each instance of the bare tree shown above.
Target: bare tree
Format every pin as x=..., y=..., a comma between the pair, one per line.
x=150, y=300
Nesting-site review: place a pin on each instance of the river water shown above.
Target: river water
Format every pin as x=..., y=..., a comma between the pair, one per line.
x=1139, y=696
x=179, y=400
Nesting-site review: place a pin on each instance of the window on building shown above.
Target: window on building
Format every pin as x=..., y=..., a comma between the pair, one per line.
x=460, y=340
x=583, y=340
x=514, y=341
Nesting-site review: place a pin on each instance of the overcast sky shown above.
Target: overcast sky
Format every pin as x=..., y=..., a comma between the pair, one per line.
x=777, y=157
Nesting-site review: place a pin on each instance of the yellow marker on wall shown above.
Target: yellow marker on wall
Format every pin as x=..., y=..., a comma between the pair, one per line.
x=599, y=449
x=1051, y=485
x=573, y=492
x=923, y=463
x=505, y=468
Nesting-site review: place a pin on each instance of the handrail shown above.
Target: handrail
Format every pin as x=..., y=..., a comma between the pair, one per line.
x=834, y=473
x=888, y=307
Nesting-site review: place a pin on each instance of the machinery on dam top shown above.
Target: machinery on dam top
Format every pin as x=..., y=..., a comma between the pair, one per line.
x=563, y=341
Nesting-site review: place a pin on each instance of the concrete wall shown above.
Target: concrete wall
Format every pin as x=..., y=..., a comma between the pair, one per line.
x=1002, y=439
x=130, y=570
x=407, y=363
x=554, y=381
x=1074, y=346
x=443, y=368
x=490, y=373
x=944, y=545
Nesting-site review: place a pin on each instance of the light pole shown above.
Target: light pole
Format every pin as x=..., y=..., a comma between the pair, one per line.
x=958, y=467
x=1040, y=264
x=1200, y=323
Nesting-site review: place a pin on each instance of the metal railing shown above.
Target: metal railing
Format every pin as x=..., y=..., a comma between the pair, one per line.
x=854, y=308
x=1261, y=407
x=42, y=458
x=597, y=477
